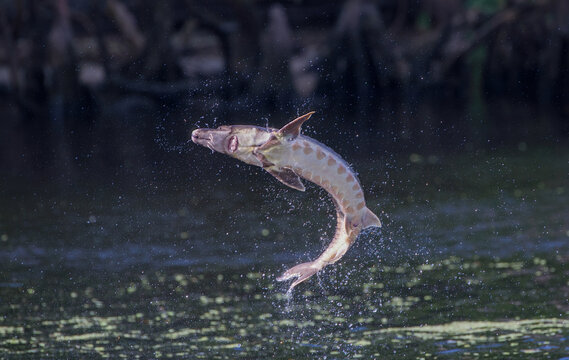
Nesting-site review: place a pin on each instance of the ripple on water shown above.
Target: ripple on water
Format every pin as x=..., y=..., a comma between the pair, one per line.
x=416, y=312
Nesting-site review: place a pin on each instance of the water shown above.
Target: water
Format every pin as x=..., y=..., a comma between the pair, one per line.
x=472, y=262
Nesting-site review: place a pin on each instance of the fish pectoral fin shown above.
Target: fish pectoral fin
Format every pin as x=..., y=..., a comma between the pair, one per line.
x=287, y=177
x=262, y=159
x=292, y=129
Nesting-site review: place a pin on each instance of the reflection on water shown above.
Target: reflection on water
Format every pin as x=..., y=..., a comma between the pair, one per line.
x=473, y=261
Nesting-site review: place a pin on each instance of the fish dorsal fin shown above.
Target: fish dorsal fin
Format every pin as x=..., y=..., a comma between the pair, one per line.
x=292, y=129
x=287, y=177
x=370, y=219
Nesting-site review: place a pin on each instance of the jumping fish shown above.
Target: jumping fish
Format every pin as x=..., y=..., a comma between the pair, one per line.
x=289, y=156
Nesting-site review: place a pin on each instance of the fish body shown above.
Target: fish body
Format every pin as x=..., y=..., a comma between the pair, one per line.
x=290, y=156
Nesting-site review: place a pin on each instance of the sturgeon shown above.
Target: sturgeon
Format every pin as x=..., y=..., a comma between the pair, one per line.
x=290, y=156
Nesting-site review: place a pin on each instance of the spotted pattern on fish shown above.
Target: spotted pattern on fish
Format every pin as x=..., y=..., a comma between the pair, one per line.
x=330, y=172
x=287, y=150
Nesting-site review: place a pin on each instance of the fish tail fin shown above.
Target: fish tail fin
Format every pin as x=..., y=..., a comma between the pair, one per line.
x=370, y=219
x=302, y=272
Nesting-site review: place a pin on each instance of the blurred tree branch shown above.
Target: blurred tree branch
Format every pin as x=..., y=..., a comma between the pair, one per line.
x=360, y=52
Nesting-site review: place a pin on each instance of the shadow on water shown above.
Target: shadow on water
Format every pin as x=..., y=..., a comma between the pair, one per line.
x=472, y=261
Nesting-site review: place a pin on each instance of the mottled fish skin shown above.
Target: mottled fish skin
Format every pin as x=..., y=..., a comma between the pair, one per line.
x=287, y=155
x=316, y=163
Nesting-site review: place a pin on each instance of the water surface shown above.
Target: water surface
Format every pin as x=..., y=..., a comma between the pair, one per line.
x=472, y=262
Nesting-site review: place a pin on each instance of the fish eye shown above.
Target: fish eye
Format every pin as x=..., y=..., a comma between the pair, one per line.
x=233, y=144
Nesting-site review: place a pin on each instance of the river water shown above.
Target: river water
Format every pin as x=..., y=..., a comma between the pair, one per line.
x=472, y=262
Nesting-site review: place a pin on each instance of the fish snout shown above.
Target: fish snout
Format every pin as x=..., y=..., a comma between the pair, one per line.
x=196, y=135
x=210, y=138
x=202, y=137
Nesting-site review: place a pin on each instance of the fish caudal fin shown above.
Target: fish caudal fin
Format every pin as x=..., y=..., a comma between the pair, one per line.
x=302, y=272
x=370, y=219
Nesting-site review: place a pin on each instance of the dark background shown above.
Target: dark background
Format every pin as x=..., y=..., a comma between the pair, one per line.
x=109, y=90
x=120, y=238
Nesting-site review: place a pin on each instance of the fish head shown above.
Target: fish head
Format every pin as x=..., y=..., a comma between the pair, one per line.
x=238, y=141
